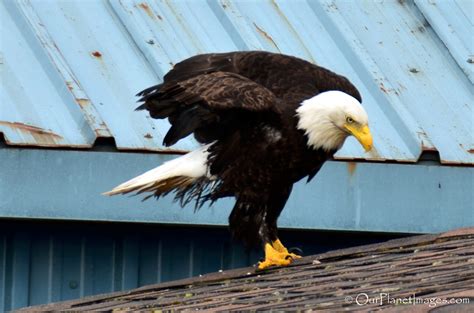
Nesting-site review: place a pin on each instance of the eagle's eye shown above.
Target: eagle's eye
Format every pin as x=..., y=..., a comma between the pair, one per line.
x=349, y=120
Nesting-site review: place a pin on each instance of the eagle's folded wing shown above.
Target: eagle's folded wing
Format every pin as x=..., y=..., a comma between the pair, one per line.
x=200, y=102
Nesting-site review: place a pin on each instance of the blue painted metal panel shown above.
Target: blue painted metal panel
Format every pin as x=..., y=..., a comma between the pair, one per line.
x=83, y=50
x=3, y=271
x=346, y=196
x=91, y=57
x=453, y=23
x=34, y=107
x=408, y=64
x=49, y=262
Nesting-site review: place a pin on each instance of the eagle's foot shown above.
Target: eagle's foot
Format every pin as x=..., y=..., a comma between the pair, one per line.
x=276, y=258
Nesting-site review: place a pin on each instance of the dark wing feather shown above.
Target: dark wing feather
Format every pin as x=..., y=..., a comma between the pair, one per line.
x=202, y=64
x=187, y=121
x=223, y=91
x=212, y=85
x=198, y=102
x=290, y=78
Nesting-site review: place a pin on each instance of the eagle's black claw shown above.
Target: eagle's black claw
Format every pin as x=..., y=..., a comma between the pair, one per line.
x=296, y=250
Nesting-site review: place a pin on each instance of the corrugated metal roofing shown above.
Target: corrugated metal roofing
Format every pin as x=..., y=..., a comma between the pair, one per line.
x=70, y=69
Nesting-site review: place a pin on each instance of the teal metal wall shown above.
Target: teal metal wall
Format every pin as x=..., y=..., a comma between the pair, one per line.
x=42, y=262
x=390, y=197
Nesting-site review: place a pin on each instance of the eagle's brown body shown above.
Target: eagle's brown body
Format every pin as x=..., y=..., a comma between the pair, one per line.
x=244, y=104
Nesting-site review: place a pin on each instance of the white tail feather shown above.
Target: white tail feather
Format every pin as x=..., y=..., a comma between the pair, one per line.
x=189, y=167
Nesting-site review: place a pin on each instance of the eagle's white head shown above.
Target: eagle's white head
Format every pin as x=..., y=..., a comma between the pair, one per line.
x=330, y=117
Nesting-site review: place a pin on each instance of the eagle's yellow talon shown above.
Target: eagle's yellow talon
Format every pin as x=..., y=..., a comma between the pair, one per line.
x=269, y=263
x=278, y=246
x=276, y=256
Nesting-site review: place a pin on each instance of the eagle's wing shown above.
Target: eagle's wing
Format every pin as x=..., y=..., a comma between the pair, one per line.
x=290, y=78
x=202, y=104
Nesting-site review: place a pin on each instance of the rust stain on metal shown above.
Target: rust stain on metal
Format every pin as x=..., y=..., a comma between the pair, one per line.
x=351, y=167
x=147, y=9
x=426, y=144
x=266, y=36
x=387, y=90
x=471, y=151
x=83, y=102
x=424, y=147
x=33, y=130
x=96, y=54
x=103, y=131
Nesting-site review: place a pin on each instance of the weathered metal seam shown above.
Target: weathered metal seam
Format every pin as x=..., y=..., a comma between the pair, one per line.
x=433, y=16
x=61, y=69
x=227, y=24
x=354, y=50
x=422, y=135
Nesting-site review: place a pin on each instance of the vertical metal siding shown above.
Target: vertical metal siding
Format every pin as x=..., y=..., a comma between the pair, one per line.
x=46, y=267
x=3, y=269
x=45, y=263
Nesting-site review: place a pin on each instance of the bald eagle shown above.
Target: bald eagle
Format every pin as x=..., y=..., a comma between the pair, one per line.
x=264, y=120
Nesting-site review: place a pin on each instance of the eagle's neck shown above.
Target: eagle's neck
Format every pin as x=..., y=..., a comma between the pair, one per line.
x=315, y=121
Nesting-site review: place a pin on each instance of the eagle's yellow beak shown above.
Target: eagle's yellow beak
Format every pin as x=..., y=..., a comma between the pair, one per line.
x=362, y=134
